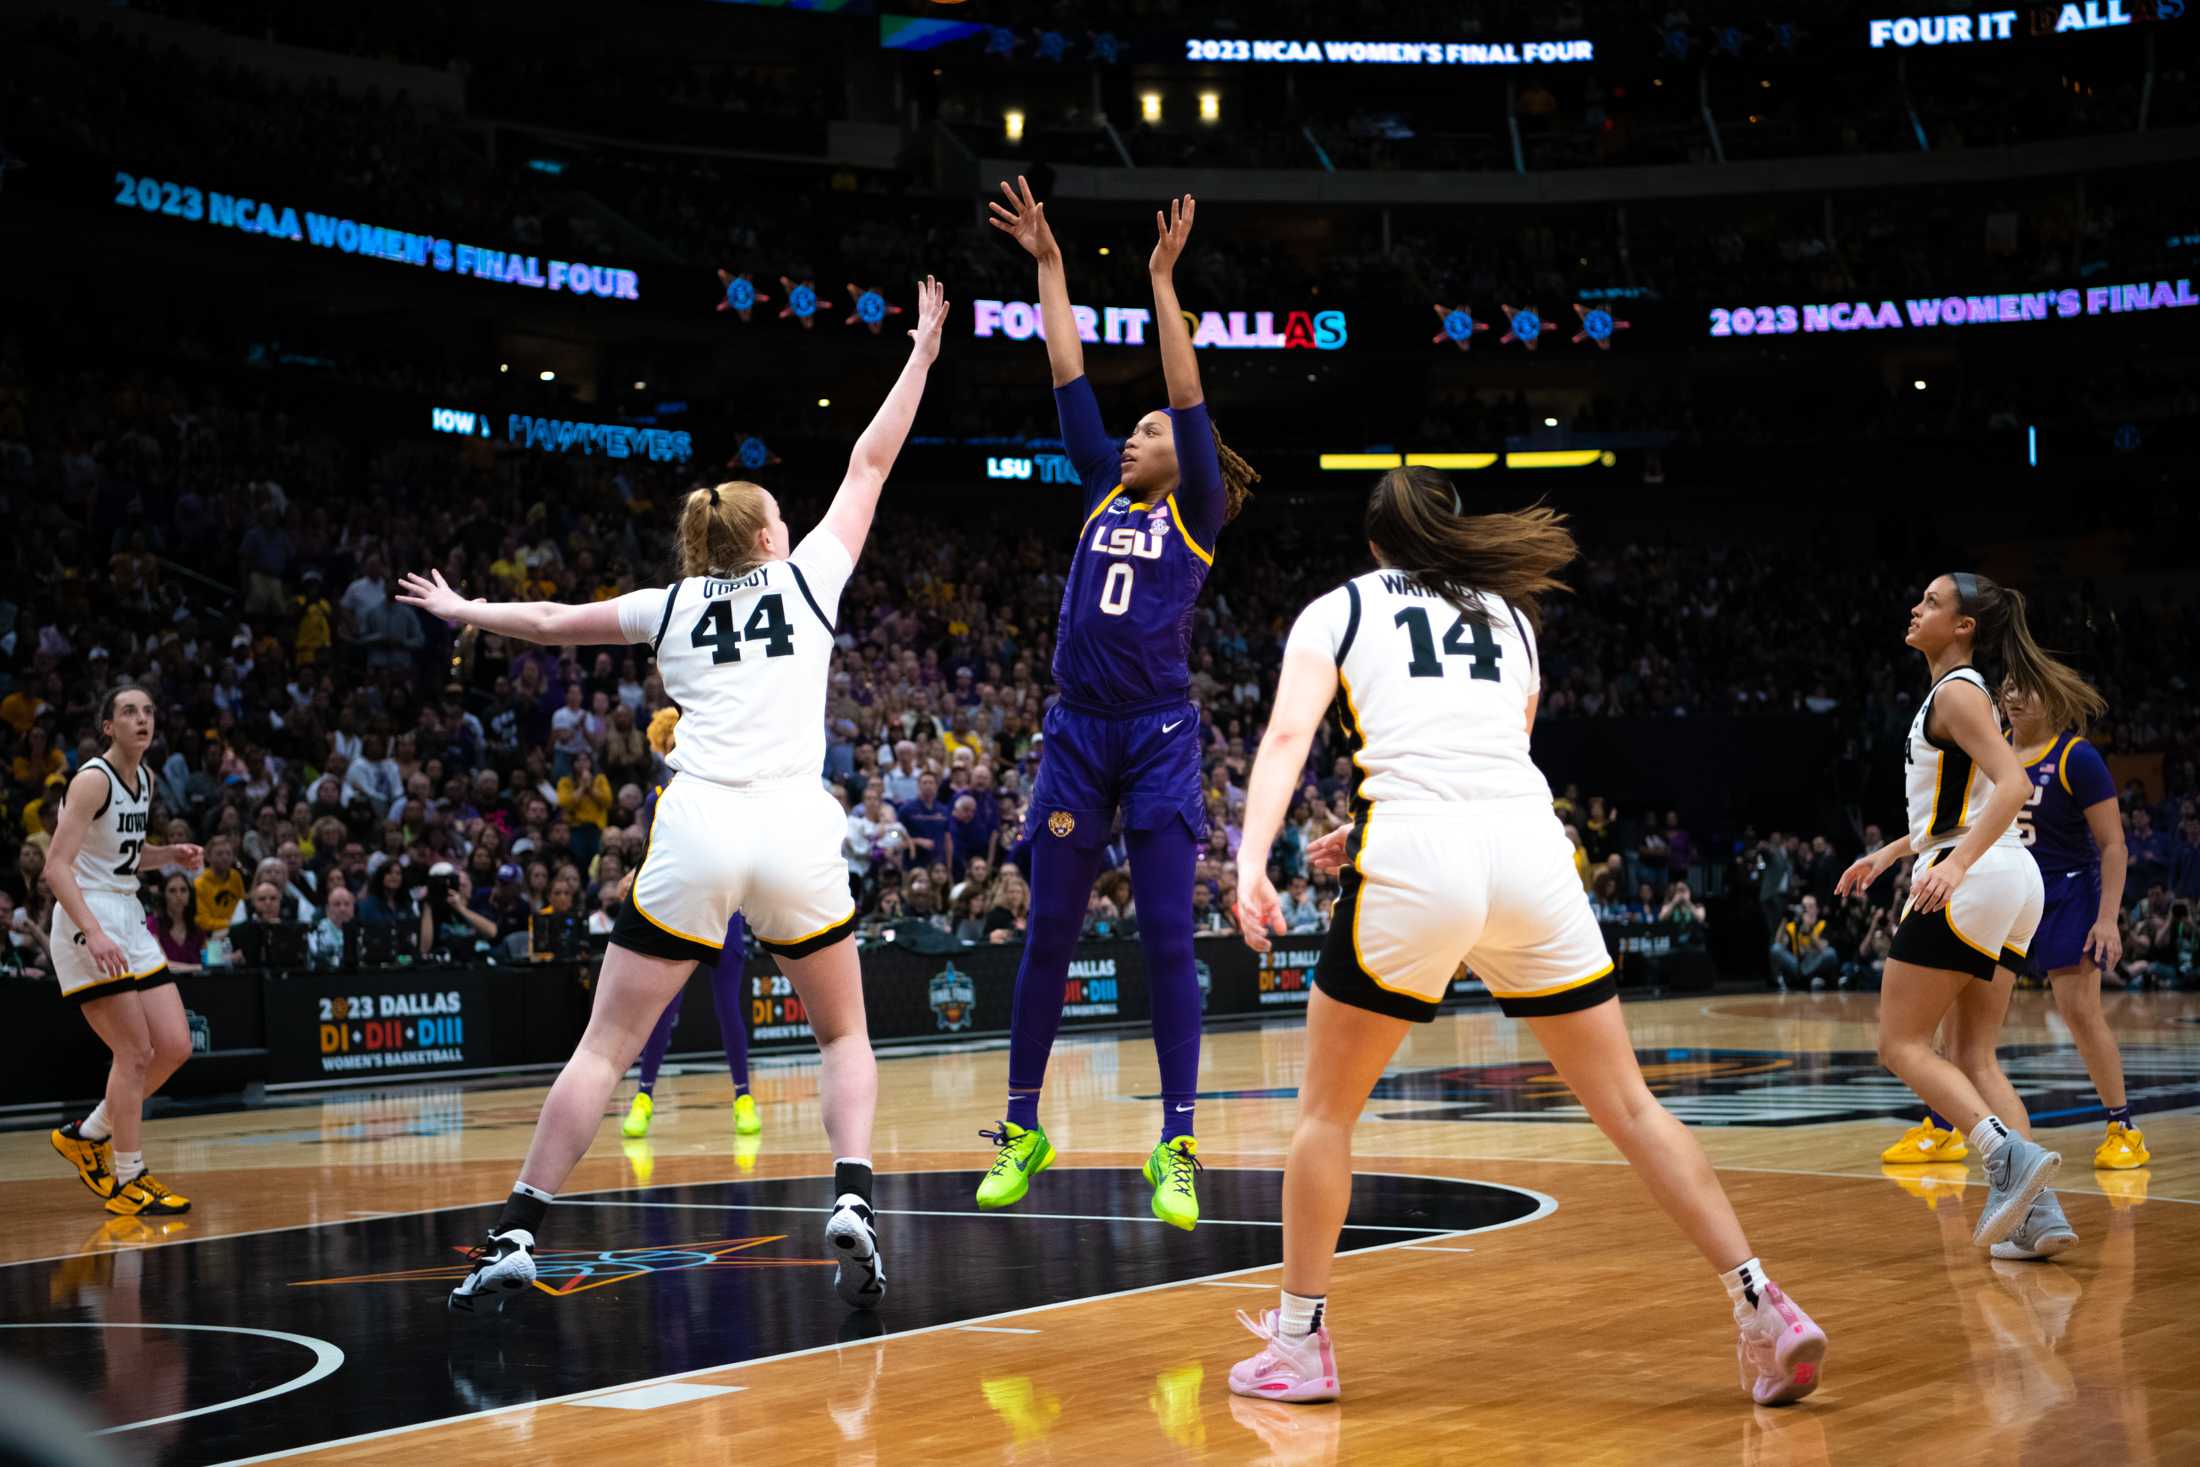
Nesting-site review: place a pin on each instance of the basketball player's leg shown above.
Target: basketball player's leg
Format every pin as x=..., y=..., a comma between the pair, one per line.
x=1163, y=859
x=729, y=998
x=1347, y=1049
x=643, y=1110
x=1913, y=1001
x=2078, y=1000
x=830, y=985
x=632, y=991
x=1595, y=1057
x=1971, y=1036
x=119, y=1021
x=829, y=982
x=170, y=1029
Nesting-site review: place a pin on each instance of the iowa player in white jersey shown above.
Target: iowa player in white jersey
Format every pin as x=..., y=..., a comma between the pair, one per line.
x=1975, y=894
x=1455, y=854
x=744, y=642
x=107, y=959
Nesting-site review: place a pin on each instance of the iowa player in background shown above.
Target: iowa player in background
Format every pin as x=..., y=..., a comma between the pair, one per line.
x=2076, y=833
x=1123, y=734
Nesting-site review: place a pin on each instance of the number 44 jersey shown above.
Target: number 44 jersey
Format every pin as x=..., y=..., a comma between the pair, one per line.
x=746, y=658
x=1434, y=695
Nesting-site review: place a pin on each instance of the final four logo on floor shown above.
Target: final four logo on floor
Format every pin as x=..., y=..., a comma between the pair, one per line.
x=954, y=999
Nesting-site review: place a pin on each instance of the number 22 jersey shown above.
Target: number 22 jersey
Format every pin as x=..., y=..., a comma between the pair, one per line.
x=747, y=658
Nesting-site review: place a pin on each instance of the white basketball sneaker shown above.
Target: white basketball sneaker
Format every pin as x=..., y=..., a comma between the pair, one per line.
x=502, y=1267
x=861, y=1274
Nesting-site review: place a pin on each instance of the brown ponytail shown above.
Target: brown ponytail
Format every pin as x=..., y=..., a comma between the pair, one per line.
x=718, y=529
x=1415, y=521
x=1238, y=477
x=2004, y=639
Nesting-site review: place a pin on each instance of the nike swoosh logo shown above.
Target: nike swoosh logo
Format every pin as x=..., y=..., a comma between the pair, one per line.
x=1172, y=727
x=1182, y=1108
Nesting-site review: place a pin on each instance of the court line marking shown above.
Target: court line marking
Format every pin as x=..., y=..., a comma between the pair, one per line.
x=995, y=1329
x=327, y=1360
x=1234, y=1284
x=1008, y=1216
x=656, y=1397
x=1545, y=1206
x=1434, y=1248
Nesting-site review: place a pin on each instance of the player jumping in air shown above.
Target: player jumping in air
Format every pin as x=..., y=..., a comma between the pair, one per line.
x=1123, y=736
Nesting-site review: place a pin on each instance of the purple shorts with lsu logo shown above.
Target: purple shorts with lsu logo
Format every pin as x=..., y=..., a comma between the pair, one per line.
x=1143, y=760
x=2072, y=905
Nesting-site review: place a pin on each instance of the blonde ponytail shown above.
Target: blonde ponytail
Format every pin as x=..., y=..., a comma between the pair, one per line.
x=719, y=529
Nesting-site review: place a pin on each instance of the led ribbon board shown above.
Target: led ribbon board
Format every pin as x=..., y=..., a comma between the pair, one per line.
x=1925, y=312
x=1388, y=53
x=560, y=435
x=271, y=220
x=1128, y=325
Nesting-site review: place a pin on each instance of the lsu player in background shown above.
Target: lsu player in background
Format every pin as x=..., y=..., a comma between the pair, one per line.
x=1123, y=734
x=2075, y=832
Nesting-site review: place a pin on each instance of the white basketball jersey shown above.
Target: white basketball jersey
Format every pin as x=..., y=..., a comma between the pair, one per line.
x=1946, y=790
x=747, y=659
x=108, y=859
x=1435, y=697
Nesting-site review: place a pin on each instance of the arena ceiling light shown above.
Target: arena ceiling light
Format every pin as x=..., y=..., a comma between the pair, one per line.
x=1149, y=106
x=1210, y=106
x=1013, y=125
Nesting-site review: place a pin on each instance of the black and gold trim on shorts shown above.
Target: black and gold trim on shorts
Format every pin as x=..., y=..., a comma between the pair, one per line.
x=1568, y=998
x=636, y=931
x=1343, y=973
x=818, y=941
x=1930, y=940
x=121, y=983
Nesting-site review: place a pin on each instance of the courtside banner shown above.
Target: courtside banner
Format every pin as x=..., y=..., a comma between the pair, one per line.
x=385, y=1025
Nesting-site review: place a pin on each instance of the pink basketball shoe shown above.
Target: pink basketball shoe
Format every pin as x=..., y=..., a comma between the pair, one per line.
x=1286, y=1370
x=1781, y=1351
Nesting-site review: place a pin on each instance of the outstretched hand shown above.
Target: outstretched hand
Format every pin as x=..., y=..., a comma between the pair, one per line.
x=1024, y=219
x=434, y=597
x=931, y=318
x=1259, y=909
x=1175, y=228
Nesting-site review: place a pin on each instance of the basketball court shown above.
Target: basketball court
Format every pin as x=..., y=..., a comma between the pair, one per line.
x=1509, y=1292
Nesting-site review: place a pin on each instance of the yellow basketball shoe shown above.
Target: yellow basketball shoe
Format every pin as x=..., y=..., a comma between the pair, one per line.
x=1924, y=1144
x=636, y=1124
x=746, y=1122
x=94, y=1160
x=1022, y=1155
x=145, y=1196
x=1171, y=1170
x=2123, y=1148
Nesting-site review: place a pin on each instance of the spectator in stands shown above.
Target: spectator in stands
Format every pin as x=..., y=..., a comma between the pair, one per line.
x=388, y=903
x=374, y=777
x=1683, y=913
x=292, y=902
x=1771, y=869
x=1010, y=909
x=1301, y=913
x=2151, y=851
x=325, y=944
x=925, y=818
x=1208, y=919
x=1801, y=951
x=625, y=749
x=903, y=780
x=965, y=836
x=22, y=942
x=219, y=888
x=585, y=796
x=264, y=909
x=573, y=731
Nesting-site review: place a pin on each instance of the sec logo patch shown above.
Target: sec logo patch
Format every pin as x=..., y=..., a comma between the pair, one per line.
x=1061, y=823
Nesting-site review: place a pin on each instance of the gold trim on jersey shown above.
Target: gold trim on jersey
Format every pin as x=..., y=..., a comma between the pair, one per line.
x=2028, y=760
x=1947, y=910
x=1944, y=822
x=1197, y=549
x=2062, y=767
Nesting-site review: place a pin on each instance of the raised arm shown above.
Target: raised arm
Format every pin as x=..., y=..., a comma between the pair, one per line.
x=550, y=623
x=849, y=518
x=1179, y=363
x=1024, y=219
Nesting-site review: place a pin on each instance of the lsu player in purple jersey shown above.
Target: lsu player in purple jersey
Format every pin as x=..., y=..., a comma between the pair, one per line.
x=1123, y=735
x=2076, y=833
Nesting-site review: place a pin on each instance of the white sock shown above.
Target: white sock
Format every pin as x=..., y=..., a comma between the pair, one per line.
x=535, y=1192
x=1989, y=1136
x=95, y=1126
x=129, y=1166
x=1743, y=1283
x=1300, y=1316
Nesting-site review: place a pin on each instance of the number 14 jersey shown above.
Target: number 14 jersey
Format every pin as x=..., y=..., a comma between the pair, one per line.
x=1435, y=696
x=746, y=658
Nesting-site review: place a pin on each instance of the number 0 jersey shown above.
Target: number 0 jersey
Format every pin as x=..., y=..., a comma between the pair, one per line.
x=107, y=861
x=1946, y=790
x=1435, y=696
x=747, y=658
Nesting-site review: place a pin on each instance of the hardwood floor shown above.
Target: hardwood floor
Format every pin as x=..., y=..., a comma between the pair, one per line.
x=692, y=1316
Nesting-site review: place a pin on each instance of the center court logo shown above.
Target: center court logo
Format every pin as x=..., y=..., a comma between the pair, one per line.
x=954, y=999
x=561, y=1273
